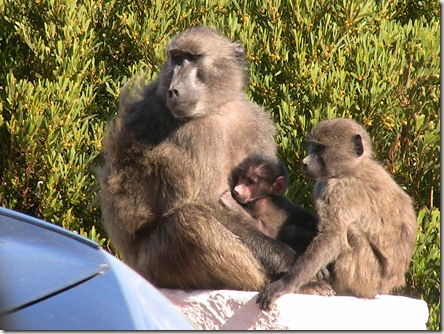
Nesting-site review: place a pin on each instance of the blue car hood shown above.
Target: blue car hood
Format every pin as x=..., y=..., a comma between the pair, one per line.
x=38, y=260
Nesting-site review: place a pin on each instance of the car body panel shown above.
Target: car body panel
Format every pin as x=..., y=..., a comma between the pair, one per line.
x=54, y=279
x=39, y=262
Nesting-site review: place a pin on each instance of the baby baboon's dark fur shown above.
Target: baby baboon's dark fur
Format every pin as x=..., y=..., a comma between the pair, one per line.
x=257, y=193
x=367, y=226
x=259, y=185
x=168, y=157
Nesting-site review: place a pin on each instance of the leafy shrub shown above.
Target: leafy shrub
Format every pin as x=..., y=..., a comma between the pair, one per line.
x=64, y=61
x=424, y=278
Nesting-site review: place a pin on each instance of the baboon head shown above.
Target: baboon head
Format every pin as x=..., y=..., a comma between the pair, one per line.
x=336, y=147
x=203, y=69
x=258, y=176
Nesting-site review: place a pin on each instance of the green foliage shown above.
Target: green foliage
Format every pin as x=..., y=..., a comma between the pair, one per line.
x=50, y=132
x=93, y=235
x=62, y=63
x=424, y=278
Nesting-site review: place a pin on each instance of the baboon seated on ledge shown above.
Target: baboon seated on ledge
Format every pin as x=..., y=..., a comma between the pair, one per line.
x=168, y=157
x=367, y=224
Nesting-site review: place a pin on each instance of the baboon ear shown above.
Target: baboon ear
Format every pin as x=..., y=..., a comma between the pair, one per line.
x=239, y=51
x=359, y=147
x=279, y=186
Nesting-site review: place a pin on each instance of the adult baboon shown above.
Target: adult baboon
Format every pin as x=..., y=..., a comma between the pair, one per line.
x=169, y=154
x=367, y=227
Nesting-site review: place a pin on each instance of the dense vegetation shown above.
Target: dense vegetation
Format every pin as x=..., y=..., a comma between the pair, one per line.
x=62, y=64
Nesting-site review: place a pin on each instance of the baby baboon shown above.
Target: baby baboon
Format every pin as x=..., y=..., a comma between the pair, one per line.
x=367, y=226
x=168, y=157
x=259, y=184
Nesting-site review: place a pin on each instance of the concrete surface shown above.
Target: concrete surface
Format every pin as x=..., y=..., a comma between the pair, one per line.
x=237, y=310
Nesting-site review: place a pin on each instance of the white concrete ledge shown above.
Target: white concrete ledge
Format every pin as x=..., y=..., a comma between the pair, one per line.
x=237, y=310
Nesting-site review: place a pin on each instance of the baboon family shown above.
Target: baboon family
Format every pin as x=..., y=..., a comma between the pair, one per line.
x=192, y=190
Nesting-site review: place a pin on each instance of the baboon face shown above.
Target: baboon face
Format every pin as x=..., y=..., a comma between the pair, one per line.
x=313, y=164
x=248, y=188
x=335, y=148
x=258, y=176
x=187, y=83
x=203, y=69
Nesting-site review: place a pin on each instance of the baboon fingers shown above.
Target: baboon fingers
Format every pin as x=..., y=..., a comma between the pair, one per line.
x=317, y=288
x=323, y=274
x=227, y=200
x=270, y=293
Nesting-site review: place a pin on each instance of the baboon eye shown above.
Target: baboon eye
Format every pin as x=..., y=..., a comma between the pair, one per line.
x=178, y=57
x=359, y=146
x=317, y=148
x=193, y=57
x=249, y=181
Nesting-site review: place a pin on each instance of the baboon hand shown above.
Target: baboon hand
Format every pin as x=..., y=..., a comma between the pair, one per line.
x=227, y=200
x=323, y=274
x=317, y=288
x=270, y=293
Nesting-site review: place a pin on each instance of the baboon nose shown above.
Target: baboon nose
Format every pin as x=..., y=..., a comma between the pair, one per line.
x=172, y=93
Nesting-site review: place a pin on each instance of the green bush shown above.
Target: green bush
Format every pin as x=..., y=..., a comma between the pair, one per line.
x=424, y=278
x=63, y=63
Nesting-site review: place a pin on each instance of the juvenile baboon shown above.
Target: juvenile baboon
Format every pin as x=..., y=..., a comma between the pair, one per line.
x=258, y=187
x=168, y=157
x=367, y=226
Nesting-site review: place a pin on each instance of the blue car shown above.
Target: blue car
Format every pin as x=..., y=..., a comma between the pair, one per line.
x=53, y=279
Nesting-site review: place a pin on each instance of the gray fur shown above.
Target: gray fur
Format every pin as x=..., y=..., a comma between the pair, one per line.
x=167, y=166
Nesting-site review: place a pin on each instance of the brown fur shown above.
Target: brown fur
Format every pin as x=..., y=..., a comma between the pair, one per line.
x=169, y=154
x=367, y=227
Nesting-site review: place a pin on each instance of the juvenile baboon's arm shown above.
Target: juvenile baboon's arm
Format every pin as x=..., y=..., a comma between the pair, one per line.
x=323, y=250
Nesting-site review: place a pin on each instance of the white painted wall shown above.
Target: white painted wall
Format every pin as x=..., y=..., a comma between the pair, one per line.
x=237, y=310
